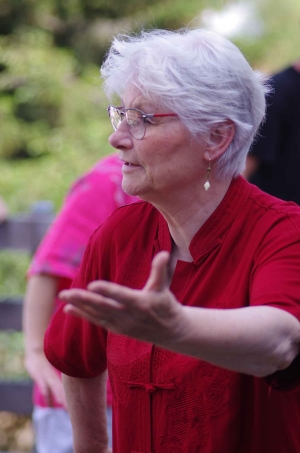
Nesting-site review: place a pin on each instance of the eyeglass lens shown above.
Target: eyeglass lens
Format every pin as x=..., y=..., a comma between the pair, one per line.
x=115, y=117
x=136, y=124
x=134, y=120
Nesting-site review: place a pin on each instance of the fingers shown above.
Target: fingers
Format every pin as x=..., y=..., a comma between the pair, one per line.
x=158, y=278
x=46, y=377
x=145, y=314
x=101, y=302
x=84, y=313
x=104, y=303
x=57, y=391
x=92, y=306
x=51, y=389
x=45, y=392
x=112, y=291
x=88, y=305
x=98, y=293
x=106, y=296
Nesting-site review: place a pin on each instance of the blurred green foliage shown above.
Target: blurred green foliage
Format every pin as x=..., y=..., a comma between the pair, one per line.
x=53, y=120
x=12, y=356
x=13, y=267
x=50, y=114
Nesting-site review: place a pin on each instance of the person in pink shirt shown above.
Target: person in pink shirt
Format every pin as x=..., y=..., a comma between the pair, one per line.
x=91, y=199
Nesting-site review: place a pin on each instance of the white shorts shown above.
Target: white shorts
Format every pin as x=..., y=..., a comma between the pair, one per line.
x=53, y=430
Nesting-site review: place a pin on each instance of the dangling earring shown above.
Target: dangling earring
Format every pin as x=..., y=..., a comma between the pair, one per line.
x=208, y=171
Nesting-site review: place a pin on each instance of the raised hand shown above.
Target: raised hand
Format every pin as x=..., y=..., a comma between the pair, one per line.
x=151, y=314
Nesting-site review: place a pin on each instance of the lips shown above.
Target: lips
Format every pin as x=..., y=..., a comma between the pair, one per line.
x=129, y=164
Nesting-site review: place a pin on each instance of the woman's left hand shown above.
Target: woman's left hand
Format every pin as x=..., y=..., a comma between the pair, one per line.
x=151, y=314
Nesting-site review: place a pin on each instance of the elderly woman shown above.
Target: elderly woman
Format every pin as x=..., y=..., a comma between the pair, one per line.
x=190, y=298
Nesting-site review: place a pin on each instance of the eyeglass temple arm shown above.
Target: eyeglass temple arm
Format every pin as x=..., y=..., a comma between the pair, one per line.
x=164, y=114
x=154, y=115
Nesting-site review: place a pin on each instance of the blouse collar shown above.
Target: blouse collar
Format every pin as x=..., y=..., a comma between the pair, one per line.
x=213, y=230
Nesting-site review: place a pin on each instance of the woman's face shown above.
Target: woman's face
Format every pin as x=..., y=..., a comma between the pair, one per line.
x=166, y=161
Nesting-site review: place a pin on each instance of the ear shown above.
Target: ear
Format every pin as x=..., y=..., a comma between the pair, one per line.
x=220, y=138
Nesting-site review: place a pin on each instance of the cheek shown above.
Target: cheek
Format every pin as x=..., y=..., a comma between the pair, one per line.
x=158, y=150
x=165, y=152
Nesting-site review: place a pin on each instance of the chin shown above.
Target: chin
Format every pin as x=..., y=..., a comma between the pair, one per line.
x=135, y=191
x=130, y=189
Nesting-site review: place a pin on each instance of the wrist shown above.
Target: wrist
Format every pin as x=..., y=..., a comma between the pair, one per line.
x=37, y=349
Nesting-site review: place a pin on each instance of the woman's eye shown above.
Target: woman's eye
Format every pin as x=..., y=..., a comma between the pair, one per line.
x=134, y=121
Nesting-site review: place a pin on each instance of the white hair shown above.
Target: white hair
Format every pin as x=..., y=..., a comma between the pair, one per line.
x=199, y=75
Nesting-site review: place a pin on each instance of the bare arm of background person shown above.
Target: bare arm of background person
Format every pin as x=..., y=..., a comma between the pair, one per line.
x=37, y=312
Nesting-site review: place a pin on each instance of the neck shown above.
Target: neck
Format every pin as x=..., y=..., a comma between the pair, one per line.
x=186, y=215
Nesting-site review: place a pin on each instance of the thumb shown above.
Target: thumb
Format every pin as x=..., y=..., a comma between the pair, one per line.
x=158, y=278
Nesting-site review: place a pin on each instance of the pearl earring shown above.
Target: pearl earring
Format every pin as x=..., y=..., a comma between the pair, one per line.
x=208, y=171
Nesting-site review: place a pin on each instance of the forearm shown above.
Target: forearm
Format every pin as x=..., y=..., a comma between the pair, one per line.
x=251, y=340
x=37, y=311
x=86, y=400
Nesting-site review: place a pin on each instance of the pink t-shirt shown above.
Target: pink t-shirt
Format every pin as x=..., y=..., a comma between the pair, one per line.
x=91, y=199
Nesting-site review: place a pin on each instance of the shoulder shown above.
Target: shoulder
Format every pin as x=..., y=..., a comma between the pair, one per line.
x=128, y=220
x=129, y=228
x=285, y=83
x=285, y=76
x=273, y=212
x=124, y=242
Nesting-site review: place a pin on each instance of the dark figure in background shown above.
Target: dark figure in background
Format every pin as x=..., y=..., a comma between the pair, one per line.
x=274, y=161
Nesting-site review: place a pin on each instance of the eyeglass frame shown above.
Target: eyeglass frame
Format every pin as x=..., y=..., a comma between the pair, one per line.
x=144, y=116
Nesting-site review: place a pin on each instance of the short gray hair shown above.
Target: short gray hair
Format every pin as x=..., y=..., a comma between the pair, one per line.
x=199, y=75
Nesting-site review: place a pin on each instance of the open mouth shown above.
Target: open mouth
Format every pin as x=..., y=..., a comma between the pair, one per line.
x=129, y=164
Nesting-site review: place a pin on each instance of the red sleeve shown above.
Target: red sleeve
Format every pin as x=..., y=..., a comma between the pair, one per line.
x=276, y=282
x=77, y=347
x=276, y=275
x=73, y=345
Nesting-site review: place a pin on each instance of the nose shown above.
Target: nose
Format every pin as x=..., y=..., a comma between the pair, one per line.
x=121, y=138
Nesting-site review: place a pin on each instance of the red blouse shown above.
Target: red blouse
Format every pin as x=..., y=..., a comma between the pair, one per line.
x=247, y=253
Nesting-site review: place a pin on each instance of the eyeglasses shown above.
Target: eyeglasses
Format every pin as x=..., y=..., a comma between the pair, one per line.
x=135, y=119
